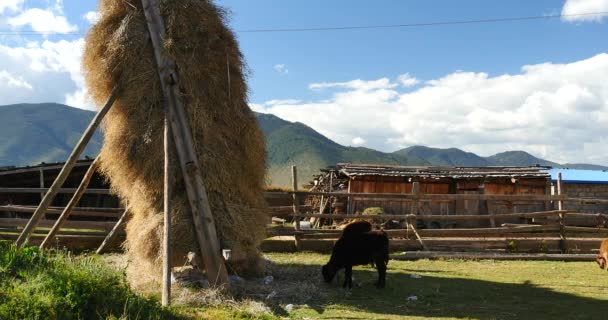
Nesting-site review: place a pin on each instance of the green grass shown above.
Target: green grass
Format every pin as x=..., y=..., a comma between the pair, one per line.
x=61, y=286
x=452, y=290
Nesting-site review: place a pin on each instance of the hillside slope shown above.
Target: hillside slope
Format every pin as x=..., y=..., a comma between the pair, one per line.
x=444, y=157
x=47, y=132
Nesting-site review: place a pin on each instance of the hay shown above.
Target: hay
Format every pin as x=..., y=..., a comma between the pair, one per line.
x=229, y=143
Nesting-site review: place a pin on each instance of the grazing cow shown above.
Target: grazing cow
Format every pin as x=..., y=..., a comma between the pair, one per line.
x=358, y=249
x=602, y=256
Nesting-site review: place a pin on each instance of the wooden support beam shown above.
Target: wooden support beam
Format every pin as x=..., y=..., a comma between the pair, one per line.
x=166, y=290
x=527, y=215
x=67, y=168
x=483, y=207
x=294, y=184
x=560, y=206
x=204, y=223
x=73, y=202
x=414, y=212
x=60, y=190
x=113, y=233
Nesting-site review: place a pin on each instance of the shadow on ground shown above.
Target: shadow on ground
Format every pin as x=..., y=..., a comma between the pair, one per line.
x=301, y=285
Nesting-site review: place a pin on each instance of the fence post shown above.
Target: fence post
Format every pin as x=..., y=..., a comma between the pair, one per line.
x=41, y=183
x=562, y=216
x=483, y=207
x=294, y=184
x=414, y=212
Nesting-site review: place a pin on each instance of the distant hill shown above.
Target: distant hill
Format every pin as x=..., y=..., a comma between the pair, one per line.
x=47, y=132
x=444, y=157
x=34, y=133
x=290, y=143
x=519, y=158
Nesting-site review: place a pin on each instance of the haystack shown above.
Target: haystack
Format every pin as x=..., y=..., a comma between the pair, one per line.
x=229, y=143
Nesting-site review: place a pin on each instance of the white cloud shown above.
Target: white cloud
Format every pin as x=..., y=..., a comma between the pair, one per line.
x=358, y=141
x=12, y=5
x=358, y=84
x=51, y=69
x=45, y=21
x=281, y=68
x=92, y=17
x=577, y=7
x=407, y=81
x=11, y=81
x=555, y=111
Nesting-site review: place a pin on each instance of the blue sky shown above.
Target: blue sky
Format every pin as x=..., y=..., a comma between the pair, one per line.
x=538, y=86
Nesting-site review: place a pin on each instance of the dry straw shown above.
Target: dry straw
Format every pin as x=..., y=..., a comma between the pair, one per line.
x=229, y=143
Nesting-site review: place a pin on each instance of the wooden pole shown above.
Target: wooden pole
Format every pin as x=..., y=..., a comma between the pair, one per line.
x=483, y=207
x=110, y=237
x=294, y=184
x=41, y=183
x=67, y=168
x=46, y=243
x=166, y=295
x=414, y=213
x=562, y=216
x=202, y=217
x=560, y=203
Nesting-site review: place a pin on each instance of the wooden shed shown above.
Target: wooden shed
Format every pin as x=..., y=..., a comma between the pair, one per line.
x=373, y=178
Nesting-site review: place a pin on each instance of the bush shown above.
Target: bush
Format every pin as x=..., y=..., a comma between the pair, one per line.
x=59, y=286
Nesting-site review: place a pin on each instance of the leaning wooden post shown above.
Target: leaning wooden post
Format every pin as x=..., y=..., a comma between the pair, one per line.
x=113, y=233
x=562, y=216
x=166, y=295
x=67, y=168
x=65, y=214
x=204, y=223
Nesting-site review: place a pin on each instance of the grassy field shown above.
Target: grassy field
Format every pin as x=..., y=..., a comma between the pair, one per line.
x=447, y=290
x=62, y=286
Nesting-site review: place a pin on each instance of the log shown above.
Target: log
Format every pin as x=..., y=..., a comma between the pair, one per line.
x=118, y=226
x=67, y=168
x=60, y=190
x=71, y=224
x=434, y=217
x=71, y=204
x=166, y=290
x=204, y=224
x=78, y=211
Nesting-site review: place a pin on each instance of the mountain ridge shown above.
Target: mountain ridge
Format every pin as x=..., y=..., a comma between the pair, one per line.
x=34, y=133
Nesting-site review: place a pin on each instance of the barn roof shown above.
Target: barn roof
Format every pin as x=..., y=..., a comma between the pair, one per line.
x=351, y=170
x=581, y=176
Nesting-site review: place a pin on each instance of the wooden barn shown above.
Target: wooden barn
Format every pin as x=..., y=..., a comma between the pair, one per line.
x=372, y=178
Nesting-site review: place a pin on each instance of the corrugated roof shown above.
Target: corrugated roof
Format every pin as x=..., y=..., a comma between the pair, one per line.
x=580, y=176
x=351, y=169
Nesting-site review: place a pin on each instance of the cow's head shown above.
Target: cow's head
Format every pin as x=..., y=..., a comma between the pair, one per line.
x=601, y=261
x=329, y=272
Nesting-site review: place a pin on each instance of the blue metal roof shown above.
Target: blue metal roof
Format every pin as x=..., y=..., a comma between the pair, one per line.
x=580, y=176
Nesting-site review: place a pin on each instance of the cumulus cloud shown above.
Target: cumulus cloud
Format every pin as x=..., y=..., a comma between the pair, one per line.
x=577, y=7
x=51, y=71
x=281, y=68
x=407, y=81
x=554, y=111
x=92, y=17
x=45, y=21
x=11, y=81
x=358, y=141
x=10, y=5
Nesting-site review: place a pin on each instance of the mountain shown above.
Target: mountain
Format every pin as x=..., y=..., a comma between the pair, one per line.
x=34, y=133
x=290, y=143
x=444, y=157
x=47, y=132
x=519, y=158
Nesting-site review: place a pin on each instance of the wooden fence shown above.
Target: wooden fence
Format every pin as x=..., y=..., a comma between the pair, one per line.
x=547, y=231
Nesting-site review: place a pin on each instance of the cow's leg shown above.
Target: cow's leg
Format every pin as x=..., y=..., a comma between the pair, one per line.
x=381, y=265
x=348, y=277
